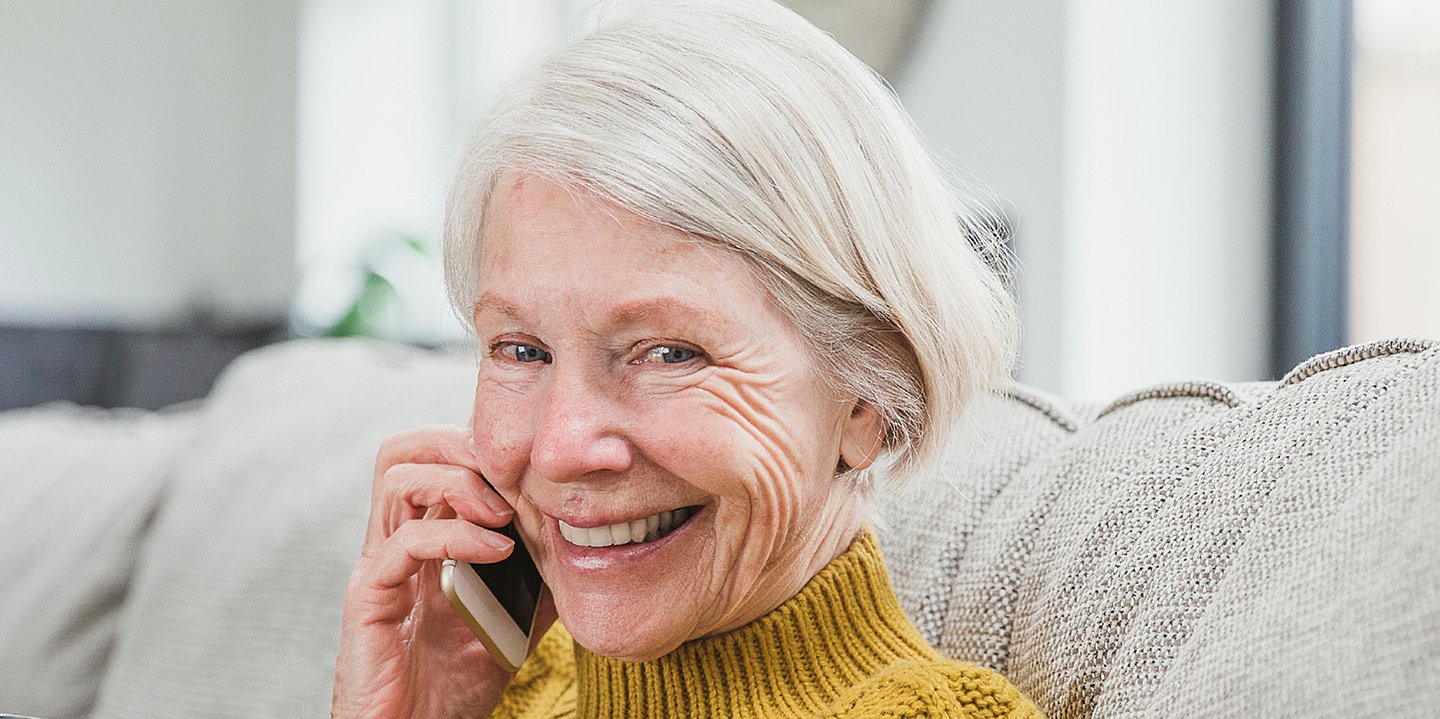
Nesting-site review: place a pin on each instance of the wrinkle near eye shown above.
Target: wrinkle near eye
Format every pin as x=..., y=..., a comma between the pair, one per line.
x=744, y=402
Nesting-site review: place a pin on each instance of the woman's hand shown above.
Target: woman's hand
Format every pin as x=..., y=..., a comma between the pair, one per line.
x=403, y=651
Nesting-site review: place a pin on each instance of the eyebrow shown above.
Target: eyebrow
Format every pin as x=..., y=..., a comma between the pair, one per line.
x=496, y=303
x=636, y=311
x=629, y=312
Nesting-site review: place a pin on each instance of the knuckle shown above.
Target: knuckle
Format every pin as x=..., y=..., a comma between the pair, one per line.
x=391, y=481
x=404, y=537
x=390, y=447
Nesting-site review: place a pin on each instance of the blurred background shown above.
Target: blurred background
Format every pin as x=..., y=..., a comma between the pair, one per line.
x=1212, y=189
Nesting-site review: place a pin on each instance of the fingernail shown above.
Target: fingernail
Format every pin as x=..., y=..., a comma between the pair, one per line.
x=497, y=505
x=498, y=541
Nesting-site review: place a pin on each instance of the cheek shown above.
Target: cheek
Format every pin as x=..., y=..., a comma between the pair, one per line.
x=698, y=453
x=502, y=440
x=755, y=444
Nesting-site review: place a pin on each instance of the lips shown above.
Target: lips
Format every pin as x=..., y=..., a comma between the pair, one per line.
x=637, y=531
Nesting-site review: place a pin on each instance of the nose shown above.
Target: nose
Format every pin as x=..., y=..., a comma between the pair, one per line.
x=579, y=431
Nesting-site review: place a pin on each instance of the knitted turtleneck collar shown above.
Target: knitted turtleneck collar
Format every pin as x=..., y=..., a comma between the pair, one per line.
x=843, y=626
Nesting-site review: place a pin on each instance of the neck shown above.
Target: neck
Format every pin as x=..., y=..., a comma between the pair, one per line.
x=844, y=625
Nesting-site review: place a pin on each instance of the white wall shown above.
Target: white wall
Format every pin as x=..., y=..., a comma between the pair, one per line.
x=984, y=85
x=146, y=161
x=1395, y=171
x=1167, y=204
x=1128, y=140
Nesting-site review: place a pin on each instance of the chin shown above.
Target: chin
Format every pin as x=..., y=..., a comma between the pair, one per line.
x=632, y=601
x=621, y=627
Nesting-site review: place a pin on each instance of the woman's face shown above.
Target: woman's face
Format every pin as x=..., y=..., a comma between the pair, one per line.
x=668, y=448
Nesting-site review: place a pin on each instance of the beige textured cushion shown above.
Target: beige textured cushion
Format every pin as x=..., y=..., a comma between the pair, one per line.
x=1205, y=550
x=235, y=610
x=78, y=489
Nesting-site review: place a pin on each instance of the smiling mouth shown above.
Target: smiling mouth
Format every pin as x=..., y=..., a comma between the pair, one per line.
x=636, y=531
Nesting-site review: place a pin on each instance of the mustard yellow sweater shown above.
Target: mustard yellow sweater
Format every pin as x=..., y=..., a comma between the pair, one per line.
x=842, y=647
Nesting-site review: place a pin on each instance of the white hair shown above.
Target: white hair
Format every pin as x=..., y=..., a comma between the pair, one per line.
x=738, y=122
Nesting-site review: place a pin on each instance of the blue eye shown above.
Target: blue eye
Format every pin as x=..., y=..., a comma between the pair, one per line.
x=670, y=355
x=524, y=353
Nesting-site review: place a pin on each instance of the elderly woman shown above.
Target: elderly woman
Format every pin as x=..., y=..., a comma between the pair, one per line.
x=721, y=295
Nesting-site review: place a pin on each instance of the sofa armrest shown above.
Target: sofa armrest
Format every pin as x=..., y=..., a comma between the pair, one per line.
x=235, y=606
x=78, y=490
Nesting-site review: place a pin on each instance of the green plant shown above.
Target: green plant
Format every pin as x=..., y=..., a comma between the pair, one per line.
x=376, y=301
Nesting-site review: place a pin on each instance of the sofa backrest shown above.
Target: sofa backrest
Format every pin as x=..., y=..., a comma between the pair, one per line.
x=1199, y=549
x=78, y=491
x=235, y=607
x=1203, y=549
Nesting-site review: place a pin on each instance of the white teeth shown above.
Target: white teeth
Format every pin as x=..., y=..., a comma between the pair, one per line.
x=636, y=531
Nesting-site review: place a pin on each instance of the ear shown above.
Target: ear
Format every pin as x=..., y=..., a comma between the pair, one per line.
x=861, y=437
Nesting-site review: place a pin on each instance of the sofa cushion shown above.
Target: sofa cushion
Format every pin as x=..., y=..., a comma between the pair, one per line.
x=235, y=611
x=80, y=487
x=925, y=528
x=1219, y=550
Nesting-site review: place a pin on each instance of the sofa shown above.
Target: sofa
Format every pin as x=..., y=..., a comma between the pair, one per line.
x=1198, y=549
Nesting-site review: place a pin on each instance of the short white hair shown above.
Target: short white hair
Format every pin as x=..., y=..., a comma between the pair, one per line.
x=738, y=122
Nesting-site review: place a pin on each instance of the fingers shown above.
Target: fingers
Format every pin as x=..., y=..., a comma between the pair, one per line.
x=432, y=444
x=406, y=491
x=400, y=557
x=427, y=467
x=429, y=502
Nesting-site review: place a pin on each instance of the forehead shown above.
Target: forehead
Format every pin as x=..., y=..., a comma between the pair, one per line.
x=547, y=242
x=529, y=215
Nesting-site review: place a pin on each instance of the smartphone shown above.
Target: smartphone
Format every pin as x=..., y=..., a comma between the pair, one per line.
x=497, y=601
